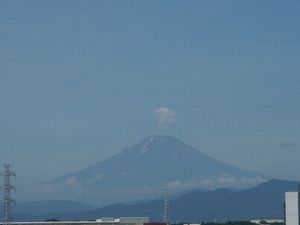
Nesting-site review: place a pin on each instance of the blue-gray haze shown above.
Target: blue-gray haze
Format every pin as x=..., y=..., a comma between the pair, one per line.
x=82, y=80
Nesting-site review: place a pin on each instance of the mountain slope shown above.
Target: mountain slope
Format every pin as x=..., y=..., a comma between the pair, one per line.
x=263, y=201
x=260, y=202
x=43, y=207
x=145, y=168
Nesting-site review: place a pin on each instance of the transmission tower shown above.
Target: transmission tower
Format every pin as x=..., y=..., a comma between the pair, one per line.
x=166, y=206
x=7, y=188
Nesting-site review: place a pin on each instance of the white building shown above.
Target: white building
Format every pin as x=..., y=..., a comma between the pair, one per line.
x=260, y=221
x=292, y=208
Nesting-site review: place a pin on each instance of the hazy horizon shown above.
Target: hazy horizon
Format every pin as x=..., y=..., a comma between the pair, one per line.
x=82, y=80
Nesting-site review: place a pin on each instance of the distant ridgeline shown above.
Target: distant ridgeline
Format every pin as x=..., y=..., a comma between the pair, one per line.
x=263, y=201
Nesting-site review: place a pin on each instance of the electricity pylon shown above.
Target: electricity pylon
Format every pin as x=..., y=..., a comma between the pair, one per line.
x=7, y=188
x=166, y=206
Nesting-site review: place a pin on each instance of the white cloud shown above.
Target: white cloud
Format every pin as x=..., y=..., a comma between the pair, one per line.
x=165, y=115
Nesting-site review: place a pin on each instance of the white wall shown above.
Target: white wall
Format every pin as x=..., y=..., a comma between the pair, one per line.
x=291, y=208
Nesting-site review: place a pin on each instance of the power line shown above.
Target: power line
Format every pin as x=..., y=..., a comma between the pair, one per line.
x=7, y=200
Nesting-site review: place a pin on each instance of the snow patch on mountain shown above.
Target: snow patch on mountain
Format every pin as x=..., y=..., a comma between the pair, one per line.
x=145, y=147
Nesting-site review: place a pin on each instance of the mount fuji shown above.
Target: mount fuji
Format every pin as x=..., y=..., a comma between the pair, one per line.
x=143, y=171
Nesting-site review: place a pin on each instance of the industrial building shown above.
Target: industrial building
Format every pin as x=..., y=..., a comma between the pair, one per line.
x=292, y=209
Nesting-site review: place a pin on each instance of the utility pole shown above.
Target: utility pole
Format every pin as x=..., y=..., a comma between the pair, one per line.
x=166, y=206
x=7, y=188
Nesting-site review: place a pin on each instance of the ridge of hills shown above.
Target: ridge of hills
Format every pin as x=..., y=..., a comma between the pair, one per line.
x=34, y=208
x=265, y=200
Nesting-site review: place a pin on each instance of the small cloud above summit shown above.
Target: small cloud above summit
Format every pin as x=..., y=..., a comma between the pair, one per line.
x=165, y=115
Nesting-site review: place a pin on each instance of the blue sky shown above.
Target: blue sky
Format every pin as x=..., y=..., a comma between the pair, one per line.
x=82, y=80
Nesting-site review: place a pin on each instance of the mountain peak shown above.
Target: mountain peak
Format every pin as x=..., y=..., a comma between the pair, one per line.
x=156, y=139
x=143, y=169
x=145, y=147
x=161, y=138
x=161, y=143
